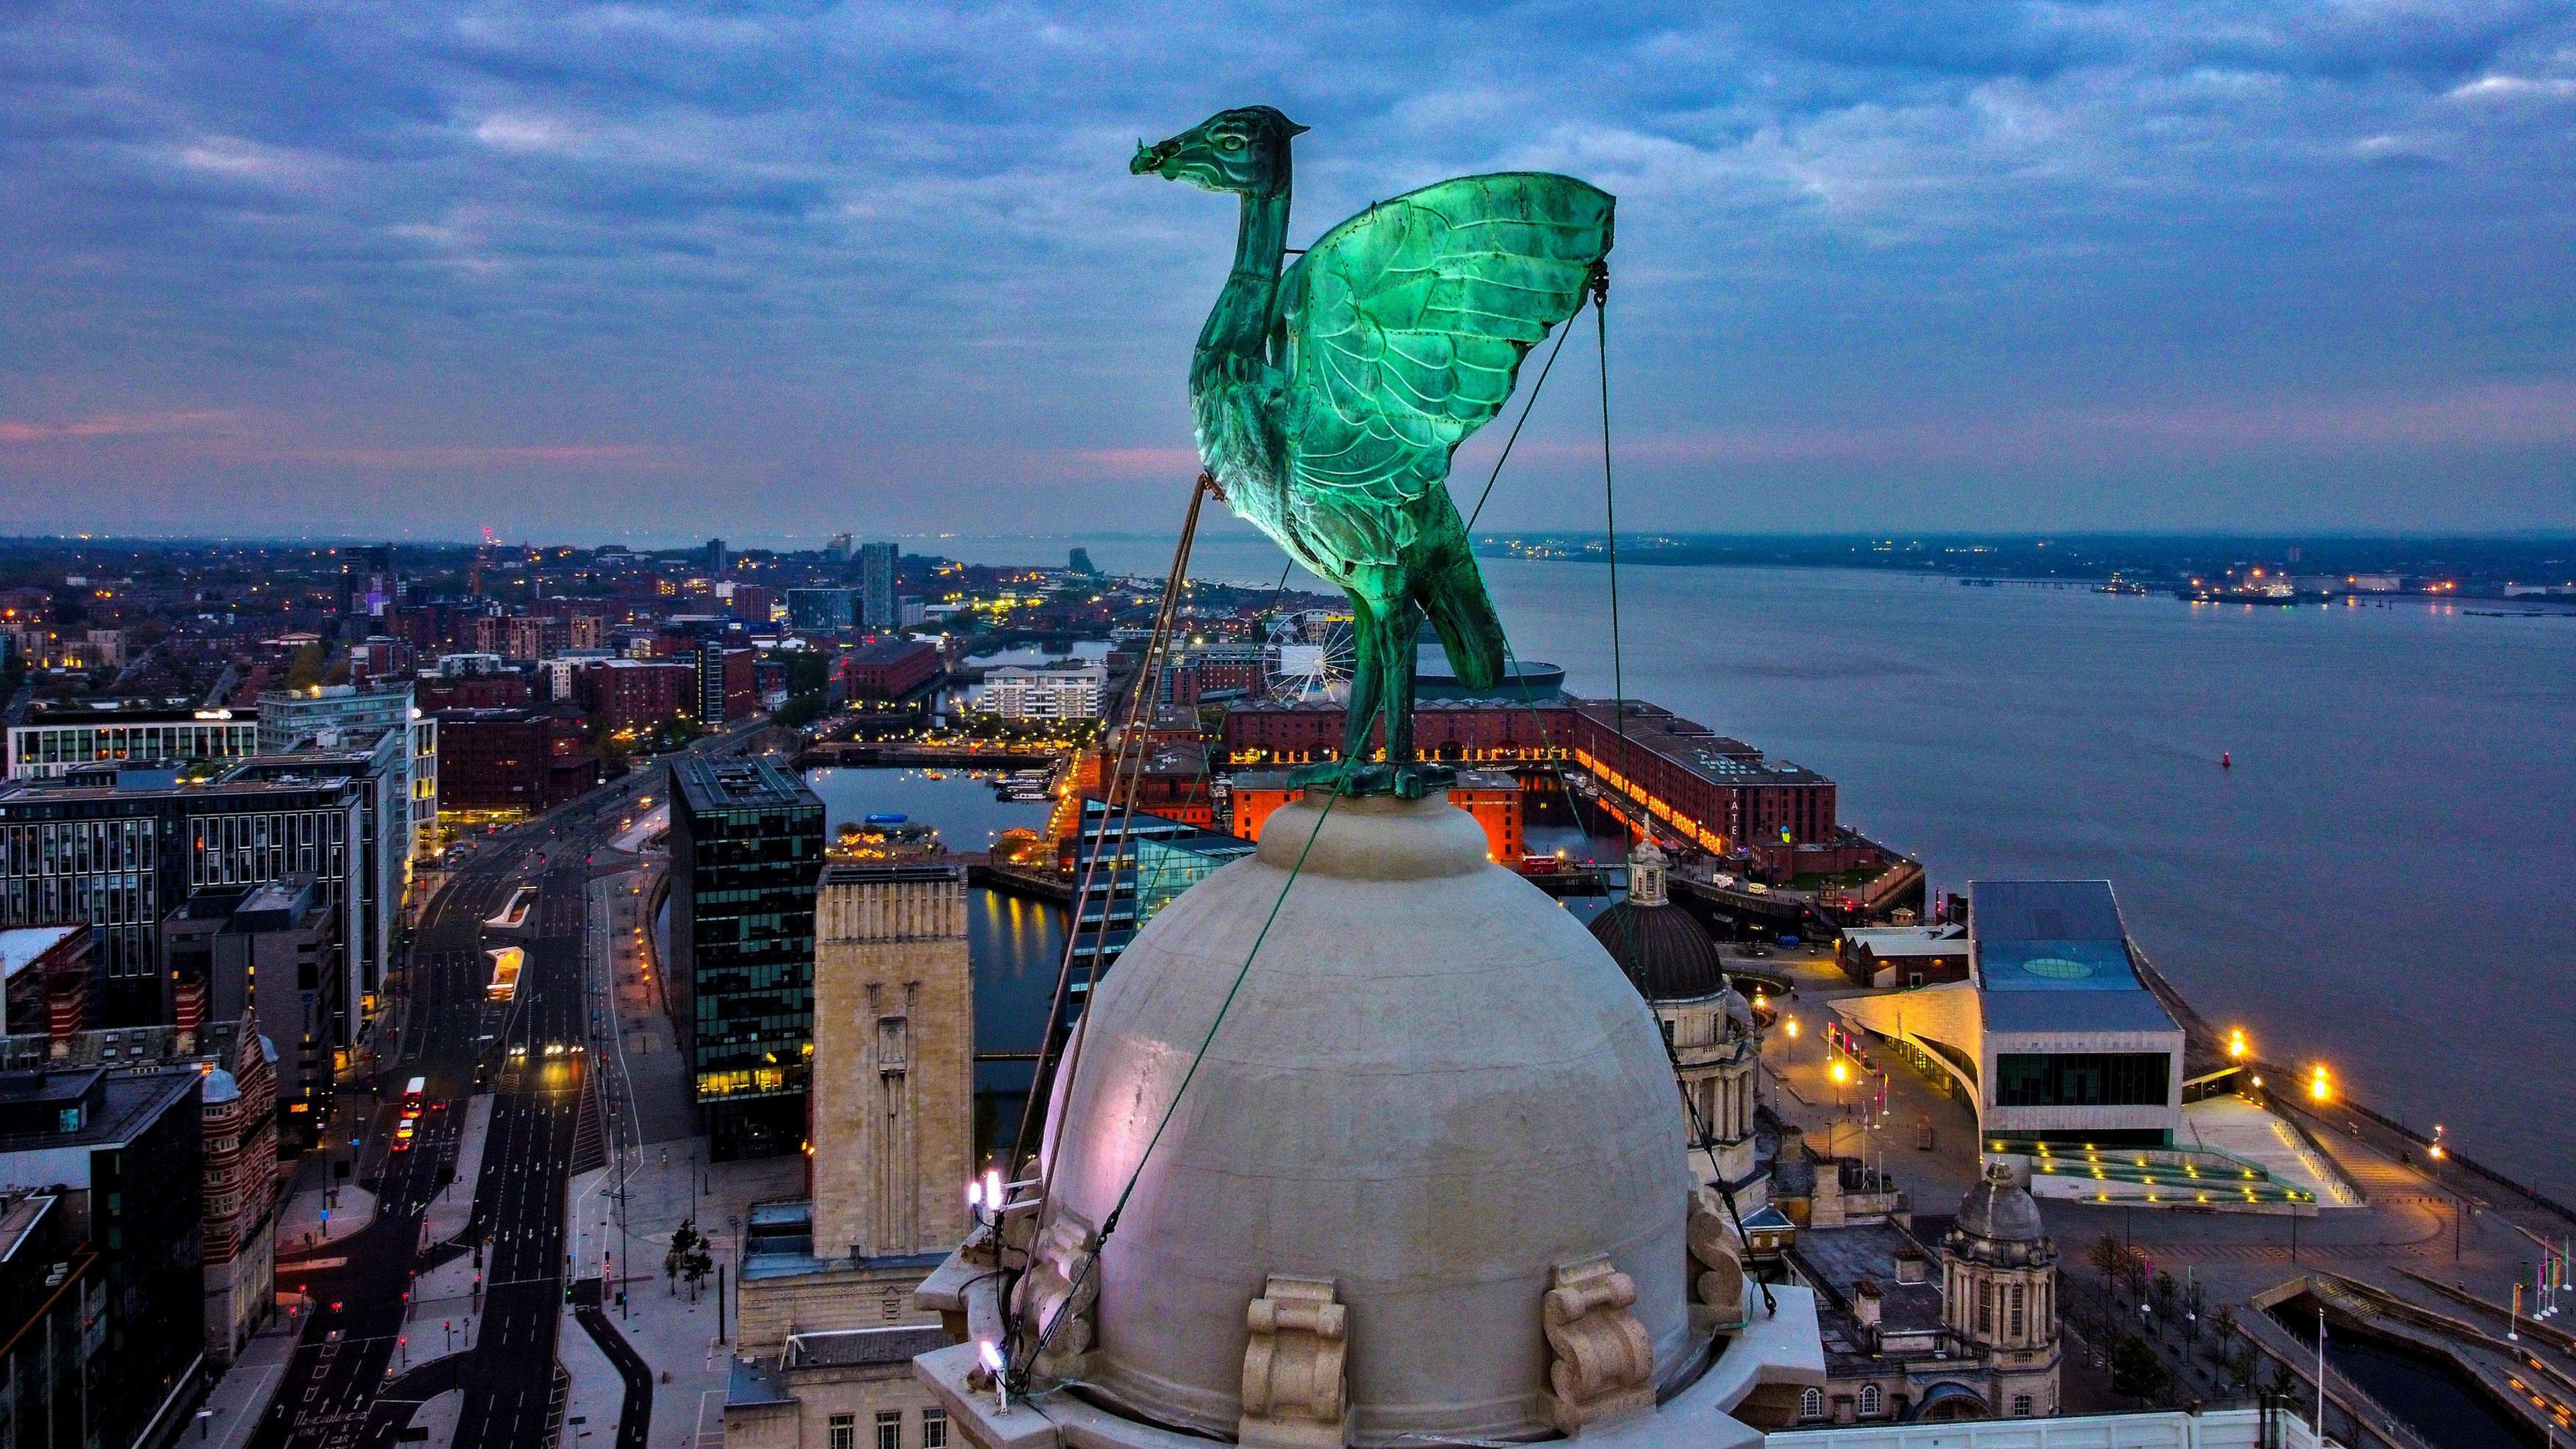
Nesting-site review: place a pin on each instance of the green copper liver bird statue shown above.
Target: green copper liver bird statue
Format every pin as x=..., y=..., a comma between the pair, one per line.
x=1328, y=397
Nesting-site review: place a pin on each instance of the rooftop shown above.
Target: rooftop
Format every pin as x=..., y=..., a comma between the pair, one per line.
x=55, y=712
x=1719, y=759
x=1939, y=940
x=887, y=651
x=37, y=793
x=21, y=946
x=2053, y=955
x=1842, y=1259
x=883, y=871
x=2049, y=935
x=750, y=785
x=856, y=1347
x=19, y=1219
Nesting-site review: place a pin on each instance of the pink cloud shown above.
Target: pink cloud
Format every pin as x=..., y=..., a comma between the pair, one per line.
x=2483, y=415
x=2505, y=414
x=1143, y=462
x=229, y=436
x=575, y=456
x=114, y=425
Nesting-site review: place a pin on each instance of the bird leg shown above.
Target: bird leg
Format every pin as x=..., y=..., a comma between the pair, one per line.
x=1368, y=684
x=1397, y=631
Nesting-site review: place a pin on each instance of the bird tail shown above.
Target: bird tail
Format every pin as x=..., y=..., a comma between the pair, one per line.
x=1450, y=589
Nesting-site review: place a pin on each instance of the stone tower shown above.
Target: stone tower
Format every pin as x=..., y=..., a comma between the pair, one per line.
x=1709, y=1028
x=2001, y=1292
x=894, y=1060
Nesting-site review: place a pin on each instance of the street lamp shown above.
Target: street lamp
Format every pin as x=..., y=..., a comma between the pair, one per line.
x=2320, y=1088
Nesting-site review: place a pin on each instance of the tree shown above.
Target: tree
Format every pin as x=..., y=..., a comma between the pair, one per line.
x=2137, y=1370
x=2284, y=1382
x=696, y=1266
x=685, y=1242
x=306, y=671
x=800, y=710
x=2107, y=1256
x=2133, y=1275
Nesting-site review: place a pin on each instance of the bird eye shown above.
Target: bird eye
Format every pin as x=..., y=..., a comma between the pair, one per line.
x=1230, y=143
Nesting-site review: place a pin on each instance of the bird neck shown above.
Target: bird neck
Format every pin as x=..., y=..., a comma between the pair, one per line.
x=1240, y=323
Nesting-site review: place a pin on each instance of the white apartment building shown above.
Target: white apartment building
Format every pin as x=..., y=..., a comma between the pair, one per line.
x=1016, y=691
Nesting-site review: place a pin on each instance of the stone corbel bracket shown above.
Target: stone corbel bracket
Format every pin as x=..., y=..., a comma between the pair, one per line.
x=1056, y=1297
x=1293, y=1392
x=1717, y=1268
x=1603, y=1365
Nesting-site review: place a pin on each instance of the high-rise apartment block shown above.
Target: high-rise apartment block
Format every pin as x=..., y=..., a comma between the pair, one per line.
x=878, y=606
x=746, y=846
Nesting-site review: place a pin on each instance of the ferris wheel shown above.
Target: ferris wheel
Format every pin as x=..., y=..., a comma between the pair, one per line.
x=1309, y=659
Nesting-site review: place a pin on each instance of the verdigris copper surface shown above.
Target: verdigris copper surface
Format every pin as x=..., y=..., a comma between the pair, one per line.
x=1328, y=398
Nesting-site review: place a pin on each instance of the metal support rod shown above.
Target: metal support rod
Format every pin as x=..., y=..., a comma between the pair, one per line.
x=1129, y=749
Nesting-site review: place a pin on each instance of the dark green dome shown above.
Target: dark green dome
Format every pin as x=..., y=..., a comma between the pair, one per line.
x=1665, y=953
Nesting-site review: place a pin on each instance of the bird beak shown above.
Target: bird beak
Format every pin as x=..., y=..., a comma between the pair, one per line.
x=1149, y=160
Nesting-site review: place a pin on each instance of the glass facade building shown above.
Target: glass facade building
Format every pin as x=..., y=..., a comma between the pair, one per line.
x=121, y=859
x=746, y=853
x=52, y=741
x=1141, y=868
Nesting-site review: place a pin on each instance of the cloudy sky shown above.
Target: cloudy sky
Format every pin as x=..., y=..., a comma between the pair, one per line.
x=651, y=270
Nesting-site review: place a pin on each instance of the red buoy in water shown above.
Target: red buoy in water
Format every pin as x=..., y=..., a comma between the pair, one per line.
x=2226, y=761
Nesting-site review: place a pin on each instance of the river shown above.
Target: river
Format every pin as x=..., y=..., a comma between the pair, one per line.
x=2381, y=883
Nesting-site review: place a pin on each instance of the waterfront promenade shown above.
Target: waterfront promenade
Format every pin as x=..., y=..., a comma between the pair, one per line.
x=2429, y=1254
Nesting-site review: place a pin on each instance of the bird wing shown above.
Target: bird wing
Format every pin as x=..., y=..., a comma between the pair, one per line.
x=1404, y=328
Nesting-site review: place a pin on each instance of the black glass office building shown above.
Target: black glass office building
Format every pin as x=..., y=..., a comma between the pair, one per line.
x=746, y=852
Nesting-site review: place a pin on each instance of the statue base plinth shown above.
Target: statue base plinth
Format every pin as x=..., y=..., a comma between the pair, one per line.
x=1416, y=781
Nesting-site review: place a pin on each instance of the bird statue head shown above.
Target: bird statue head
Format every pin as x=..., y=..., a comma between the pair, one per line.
x=1244, y=151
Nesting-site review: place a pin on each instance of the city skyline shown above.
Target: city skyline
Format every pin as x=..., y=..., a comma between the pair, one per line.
x=2244, y=268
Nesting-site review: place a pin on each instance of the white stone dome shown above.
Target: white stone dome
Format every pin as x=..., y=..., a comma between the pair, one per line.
x=1433, y=1087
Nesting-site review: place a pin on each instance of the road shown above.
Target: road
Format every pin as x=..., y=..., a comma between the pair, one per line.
x=355, y=1377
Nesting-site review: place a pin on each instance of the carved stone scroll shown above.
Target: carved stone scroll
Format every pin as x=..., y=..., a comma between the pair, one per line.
x=1057, y=1296
x=1604, y=1365
x=1717, y=1268
x=1293, y=1394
